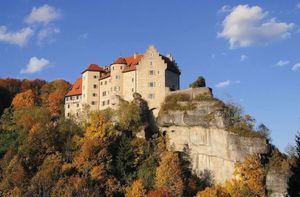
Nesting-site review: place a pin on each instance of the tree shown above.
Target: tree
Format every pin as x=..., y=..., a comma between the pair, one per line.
x=136, y=189
x=169, y=174
x=200, y=82
x=264, y=131
x=294, y=180
x=24, y=100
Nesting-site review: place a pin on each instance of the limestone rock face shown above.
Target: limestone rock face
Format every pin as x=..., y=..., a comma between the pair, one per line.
x=211, y=146
x=276, y=183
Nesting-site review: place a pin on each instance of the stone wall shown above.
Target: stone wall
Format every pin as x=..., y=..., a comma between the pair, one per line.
x=276, y=183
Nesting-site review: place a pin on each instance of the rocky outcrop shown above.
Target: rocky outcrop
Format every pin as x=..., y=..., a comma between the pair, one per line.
x=211, y=146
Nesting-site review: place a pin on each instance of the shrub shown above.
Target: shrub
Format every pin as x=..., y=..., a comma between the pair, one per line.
x=200, y=82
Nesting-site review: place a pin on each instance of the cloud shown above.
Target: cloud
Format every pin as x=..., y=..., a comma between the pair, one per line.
x=225, y=9
x=43, y=14
x=282, y=63
x=226, y=83
x=35, y=65
x=19, y=38
x=296, y=67
x=298, y=5
x=243, y=58
x=246, y=26
x=47, y=32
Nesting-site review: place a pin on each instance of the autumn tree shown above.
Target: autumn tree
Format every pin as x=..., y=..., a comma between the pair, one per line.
x=136, y=189
x=169, y=174
x=24, y=100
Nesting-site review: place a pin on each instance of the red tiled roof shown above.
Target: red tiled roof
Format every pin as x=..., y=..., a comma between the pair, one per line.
x=120, y=60
x=76, y=88
x=132, y=62
x=93, y=67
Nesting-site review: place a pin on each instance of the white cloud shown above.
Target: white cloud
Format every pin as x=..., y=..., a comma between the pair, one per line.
x=246, y=26
x=282, y=63
x=226, y=83
x=43, y=14
x=18, y=38
x=225, y=9
x=35, y=65
x=47, y=32
x=243, y=58
x=296, y=67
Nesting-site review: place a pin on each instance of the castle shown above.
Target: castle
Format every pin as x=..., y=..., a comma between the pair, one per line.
x=150, y=74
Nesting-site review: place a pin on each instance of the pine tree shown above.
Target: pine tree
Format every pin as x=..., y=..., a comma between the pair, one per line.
x=294, y=180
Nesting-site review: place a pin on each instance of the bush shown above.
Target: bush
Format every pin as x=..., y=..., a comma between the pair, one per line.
x=172, y=102
x=200, y=82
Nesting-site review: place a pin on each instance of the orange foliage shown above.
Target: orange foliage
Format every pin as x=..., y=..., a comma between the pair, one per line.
x=136, y=189
x=24, y=100
x=158, y=193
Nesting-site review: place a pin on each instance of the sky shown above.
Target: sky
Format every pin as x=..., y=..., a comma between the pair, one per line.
x=248, y=51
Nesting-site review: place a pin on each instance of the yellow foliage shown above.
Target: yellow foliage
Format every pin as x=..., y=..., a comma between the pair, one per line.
x=136, y=189
x=169, y=174
x=217, y=191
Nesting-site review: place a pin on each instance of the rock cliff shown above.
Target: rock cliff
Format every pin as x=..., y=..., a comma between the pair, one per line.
x=200, y=124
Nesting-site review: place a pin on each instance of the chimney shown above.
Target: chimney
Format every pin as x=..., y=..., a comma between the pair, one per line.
x=134, y=55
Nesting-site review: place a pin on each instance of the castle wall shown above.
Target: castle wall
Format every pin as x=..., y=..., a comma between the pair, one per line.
x=129, y=87
x=105, y=93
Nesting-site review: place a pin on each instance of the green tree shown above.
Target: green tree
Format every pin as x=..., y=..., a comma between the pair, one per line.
x=294, y=180
x=200, y=82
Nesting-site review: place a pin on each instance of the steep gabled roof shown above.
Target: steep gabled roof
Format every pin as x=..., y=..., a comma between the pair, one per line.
x=132, y=62
x=94, y=67
x=76, y=88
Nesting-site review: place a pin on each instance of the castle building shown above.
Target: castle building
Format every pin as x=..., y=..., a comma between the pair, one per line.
x=150, y=74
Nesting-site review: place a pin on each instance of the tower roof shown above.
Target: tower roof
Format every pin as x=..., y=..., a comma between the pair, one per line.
x=93, y=67
x=120, y=60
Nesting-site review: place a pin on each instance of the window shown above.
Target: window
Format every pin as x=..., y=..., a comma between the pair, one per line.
x=77, y=105
x=151, y=96
x=94, y=94
x=113, y=68
x=152, y=84
x=70, y=98
x=158, y=72
x=93, y=103
x=115, y=88
x=103, y=103
x=151, y=72
x=101, y=83
x=95, y=76
x=77, y=114
x=77, y=97
x=104, y=93
x=107, y=102
x=105, y=82
x=66, y=98
x=118, y=77
x=151, y=62
x=68, y=114
x=95, y=86
x=132, y=90
x=68, y=105
x=132, y=79
x=121, y=67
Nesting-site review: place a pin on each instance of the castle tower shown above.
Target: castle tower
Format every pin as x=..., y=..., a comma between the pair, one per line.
x=90, y=86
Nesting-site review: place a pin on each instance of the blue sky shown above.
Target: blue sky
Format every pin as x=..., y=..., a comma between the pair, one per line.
x=248, y=51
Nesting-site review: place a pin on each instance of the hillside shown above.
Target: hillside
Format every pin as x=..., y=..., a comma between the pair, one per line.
x=196, y=145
